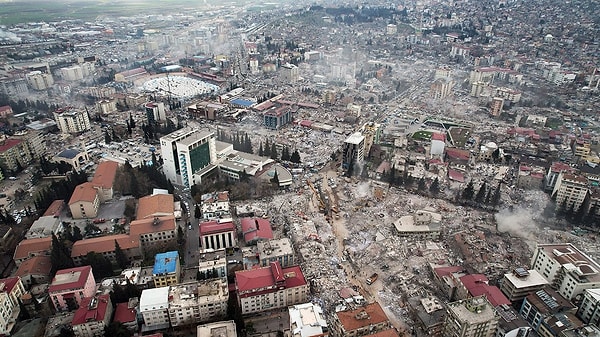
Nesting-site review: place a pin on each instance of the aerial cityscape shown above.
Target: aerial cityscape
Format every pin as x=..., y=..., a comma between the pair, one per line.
x=298, y=169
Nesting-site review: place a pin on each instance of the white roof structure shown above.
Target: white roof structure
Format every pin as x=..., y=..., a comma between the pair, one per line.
x=154, y=299
x=355, y=138
x=306, y=320
x=532, y=279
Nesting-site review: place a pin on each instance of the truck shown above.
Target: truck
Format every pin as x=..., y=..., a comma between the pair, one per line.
x=372, y=279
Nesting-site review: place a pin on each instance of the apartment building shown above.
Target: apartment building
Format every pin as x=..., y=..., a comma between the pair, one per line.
x=14, y=153
x=521, y=282
x=157, y=205
x=84, y=202
x=471, y=317
x=276, y=250
x=276, y=117
x=270, y=287
x=212, y=264
x=215, y=205
x=217, y=329
x=589, y=309
x=154, y=308
x=554, y=171
x=167, y=269
x=35, y=270
x=289, y=73
x=32, y=247
x=70, y=286
x=126, y=314
x=568, y=270
x=197, y=302
x=353, y=150
x=71, y=120
x=570, y=190
x=93, y=316
x=155, y=112
x=543, y=304
x=39, y=81
x=306, y=320
x=362, y=321
x=11, y=290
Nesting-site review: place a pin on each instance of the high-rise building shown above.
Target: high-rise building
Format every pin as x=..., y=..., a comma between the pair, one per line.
x=472, y=317
x=496, y=106
x=589, y=309
x=521, y=282
x=353, y=151
x=155, y=112
x=289, y=73
x=39, y=80
x=70, y=286
x=188, y=155
x=71, y=120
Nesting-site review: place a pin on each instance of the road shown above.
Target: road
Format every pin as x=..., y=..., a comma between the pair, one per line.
x=190, y=228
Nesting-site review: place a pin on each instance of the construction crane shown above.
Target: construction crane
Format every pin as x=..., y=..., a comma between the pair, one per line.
x=317, y=195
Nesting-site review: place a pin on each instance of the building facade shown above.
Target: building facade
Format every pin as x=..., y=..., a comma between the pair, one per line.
x=353, y=151
x=167, y=269
x=70, y=286
x=270, y=288
x=218, y=234
x=570, y=191
x=197, y=302
x=71, y=120
x=154, y=308
x=93, y=316
x=472, y=317
x=279, y=250
x=363, y=321
x=521, y=282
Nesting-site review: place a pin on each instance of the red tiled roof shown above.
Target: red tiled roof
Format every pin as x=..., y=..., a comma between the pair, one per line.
x=155, y=205
x=456, y=176
x=83, y=192
x=55, y=208
x=9, y=143
x=212, y=227
x=124, y=314
x=438, y=136
x=373, y=312
x=249, y=282
x=104, y=244
x=152, y=225
x=9, y=283
x=445, y=271
x=37, y=265
x=84, y=272
x=256, y=229
x=385, y=333
x=105, y=174
x=87, y=313
x=305, y=123
x=477, y=284
x=458, y=153
x=32, y=246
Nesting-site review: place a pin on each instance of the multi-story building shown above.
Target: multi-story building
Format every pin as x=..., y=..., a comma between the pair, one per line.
x=196, y=302
x=530, y=177
x=496, y=106
x=553, y=173
x=280, y=250
x=188, y=155
x=510, y=324
x=568, y=270
x=126, y=314
x=521, y=282
x=307, y=320
x=155, y=112
x=212, y=264
x=14, y=86
x=32, y=247
x=39, y=80
x=19, y=151
x=589, y=309
x=157, y=205
x=106, y=106
x=84, y=202
x=93, y=316
x=155, y=234
x=11, y=290
x=76, y=158
x=218, y=234
x=570, y=190
x=215, y=205
x=424, y=224
x=154, y=308
x=372, y=132
x=542, y=304
x=441, y=88
x=471, y=317
x=353, y=151
x=105, y=245
x=35, y=270
x=363, y=321
x=70, y=286
x=270, y=288
x=217, y=329
x=276, y=117
x=256, y=229
x=289, y=73
x=166, y=269
x=104, y=179
x=71, y=120
x=13, y=286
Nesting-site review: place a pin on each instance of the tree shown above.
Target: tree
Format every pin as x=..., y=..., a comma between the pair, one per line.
x=117, y=329
x=122, y=261
x=285, y=154
x=273, y=154
x=76, y=234
x=59, y=256
x=421, y=185
x=131, y=121
x=468, y=192
x=480, y=197
x=295, y=157
x=100, y=265
x=197, y=212
x=260, y=150
x=275, y=179
x=107, y=138
x=435, y=187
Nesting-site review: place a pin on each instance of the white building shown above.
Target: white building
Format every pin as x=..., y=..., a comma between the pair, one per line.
x=353, y=150
x=188, y=155
x=589, y=309
x=39, y=80
x=568, y=269
x=70, y=120
x=217, y=329
x=521, y=282
x=195, y=302
x=154, y=307
x=155, y=111
x=307, y=320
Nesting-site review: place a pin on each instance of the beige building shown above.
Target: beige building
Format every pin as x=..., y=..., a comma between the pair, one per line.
x=39, y=81
x=521, y=282
x=280, y=250
x=11, y=290
x=105, y=245
x=473, y=317
x=71, y=120
x=84, y=202
x=196, y=302
x=570, y=190
x=217, y=329
x=289, y=73
x=424, y=225
x=441, y=88
x=212, y=263
x=363, y=321
x=155, y=234
x=106, y=106
x=93, y=316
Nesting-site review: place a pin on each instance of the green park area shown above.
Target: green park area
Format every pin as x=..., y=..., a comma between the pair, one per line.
x=422, y=135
